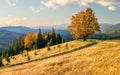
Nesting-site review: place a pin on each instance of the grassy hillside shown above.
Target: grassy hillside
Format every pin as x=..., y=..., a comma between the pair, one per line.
x=44, y=52
x=72, y=58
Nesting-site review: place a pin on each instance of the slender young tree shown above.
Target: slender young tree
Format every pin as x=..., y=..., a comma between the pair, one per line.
x=3, y=53
x=1, y=63
x=53, y=36
x=62, y=41
x=58, y=39
x=39, y=39
x=51, y=42
x=21, y=43
x=7, y=57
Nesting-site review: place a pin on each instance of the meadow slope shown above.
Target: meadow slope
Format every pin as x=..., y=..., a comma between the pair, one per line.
x=102, y=58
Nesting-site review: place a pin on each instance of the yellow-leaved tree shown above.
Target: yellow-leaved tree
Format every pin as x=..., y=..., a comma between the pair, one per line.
x=29, y=41
x=84, y=24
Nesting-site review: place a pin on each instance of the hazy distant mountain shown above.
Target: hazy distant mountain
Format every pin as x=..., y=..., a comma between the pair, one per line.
x=18, y=29
x=61, y=27
x=6, y=38
x=8, y=35
x=64, y=26
x=22, y=29
x=104, y=27
x=113, y=30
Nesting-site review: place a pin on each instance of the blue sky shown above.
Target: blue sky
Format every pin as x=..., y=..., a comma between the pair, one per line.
x=33, y=13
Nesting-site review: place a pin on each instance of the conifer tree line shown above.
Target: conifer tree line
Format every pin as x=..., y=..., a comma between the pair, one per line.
x=33, y=41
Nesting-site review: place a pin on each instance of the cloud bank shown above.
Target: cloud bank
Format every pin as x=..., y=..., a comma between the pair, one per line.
x=11, y=3
x=34, y=9
x=13, y=20
x=110, y=4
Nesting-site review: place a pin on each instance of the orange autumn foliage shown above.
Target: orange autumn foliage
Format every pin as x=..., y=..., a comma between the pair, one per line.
x=29, y=40
x=83, y=24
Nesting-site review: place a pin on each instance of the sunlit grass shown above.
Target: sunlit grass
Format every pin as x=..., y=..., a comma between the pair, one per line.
x=44, y=52
x=102, y=58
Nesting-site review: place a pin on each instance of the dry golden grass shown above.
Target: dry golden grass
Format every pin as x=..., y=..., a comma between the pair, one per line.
x=100, y=59
x=41, y=53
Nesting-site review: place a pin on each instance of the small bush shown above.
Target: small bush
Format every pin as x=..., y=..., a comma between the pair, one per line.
x=7, y=58
x=54, y=47
x=21, y=52
x=72, y=46
x=58, y=46
x=90, y=40
x=109, y=38
x=103, y=38
x=48, y=48
x=98, y=38
x=35, y=53
x=25, y=53
x=28, y=57
x=13, y=57
x=66, y=45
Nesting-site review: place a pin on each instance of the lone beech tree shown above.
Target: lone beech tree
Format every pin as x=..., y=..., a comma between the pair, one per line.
x=84, y=24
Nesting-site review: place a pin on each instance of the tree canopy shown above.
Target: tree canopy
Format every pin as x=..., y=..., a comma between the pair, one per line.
x=84, y=24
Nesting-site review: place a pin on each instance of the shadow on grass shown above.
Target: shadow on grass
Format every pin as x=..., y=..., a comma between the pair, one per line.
x=58, y=54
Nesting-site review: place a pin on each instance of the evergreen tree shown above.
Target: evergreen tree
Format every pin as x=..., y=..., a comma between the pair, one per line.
x=58, y=39
x=51, y=42
x=47, y=38
x=3, y=53
x=39, y=40
x=16, y=46
x=7, y=57
x=21, y=43
x=109, y=38
x=21, y=52
x=44, y=42
x=53, y=36
x=11, y=51
x=62, y=41
x=103, y=38
x=1, y=63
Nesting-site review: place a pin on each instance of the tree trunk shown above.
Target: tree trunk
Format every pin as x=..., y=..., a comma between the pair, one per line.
x=84, y=38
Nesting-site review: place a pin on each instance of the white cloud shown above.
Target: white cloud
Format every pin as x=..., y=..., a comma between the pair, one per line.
x=13, y=20
x=110, y=4
x=104, y=3
x=11, y=3
x=56, y=3
x=112, y=8
x=34, y=9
